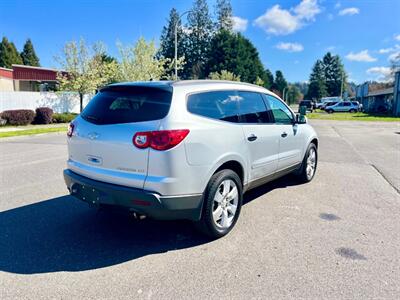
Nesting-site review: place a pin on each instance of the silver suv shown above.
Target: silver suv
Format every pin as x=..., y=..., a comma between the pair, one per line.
x=185, y=149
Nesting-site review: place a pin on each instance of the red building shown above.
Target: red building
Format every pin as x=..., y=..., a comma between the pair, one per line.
x=27, y=78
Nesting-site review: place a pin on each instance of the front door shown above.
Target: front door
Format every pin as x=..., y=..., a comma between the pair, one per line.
x=260, y=134
x=290, y=134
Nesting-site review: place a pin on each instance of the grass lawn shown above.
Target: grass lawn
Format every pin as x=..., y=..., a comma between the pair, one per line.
x=32, y=131
x=359, y=116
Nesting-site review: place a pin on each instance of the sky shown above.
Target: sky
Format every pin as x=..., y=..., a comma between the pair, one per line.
x=290, y=35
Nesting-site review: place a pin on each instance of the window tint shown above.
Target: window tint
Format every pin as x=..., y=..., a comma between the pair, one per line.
x=127, y=105
x=252, y=108
x=279, y=110
x=220, y=105
x=347, y=104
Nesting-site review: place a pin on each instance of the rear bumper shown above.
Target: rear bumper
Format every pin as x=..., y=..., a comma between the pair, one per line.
x=151, y=204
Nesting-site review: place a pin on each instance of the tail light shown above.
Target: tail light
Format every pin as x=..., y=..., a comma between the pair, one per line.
x=71, y=127
x=159, y=140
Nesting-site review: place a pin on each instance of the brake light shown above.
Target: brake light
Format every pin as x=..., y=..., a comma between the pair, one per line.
x=159, y=140
x=71, y=127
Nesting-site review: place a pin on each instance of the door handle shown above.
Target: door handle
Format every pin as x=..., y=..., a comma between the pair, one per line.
x=284, y=134
x=252, y=137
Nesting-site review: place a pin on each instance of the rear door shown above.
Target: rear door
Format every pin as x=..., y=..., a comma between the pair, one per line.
x=101, y=147
x=261, y=136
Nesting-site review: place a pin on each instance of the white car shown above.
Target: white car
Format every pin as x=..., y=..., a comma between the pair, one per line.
x=344, y=106
x=185, y=149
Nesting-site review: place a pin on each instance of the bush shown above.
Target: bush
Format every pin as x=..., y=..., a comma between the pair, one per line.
x=18, y=116
x=64, y=117
x=43, y=115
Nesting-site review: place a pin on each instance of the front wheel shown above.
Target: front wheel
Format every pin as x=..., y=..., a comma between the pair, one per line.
x=352, y=111
x=222, y=204
x=329, y=111
x=309, y=165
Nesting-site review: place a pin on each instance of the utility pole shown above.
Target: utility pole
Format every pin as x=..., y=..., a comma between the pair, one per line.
x=176, y=43
x=341, y=85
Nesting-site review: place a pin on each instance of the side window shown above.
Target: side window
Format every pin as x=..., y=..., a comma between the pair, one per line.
x=347, y=104
x=340, y=104
x=220, y=105
x=252, y=108
x=281, y=113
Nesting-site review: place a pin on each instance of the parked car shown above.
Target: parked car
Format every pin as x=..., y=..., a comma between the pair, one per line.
x=358, y=104
x=328, y=104
x=345, y=106
x=308, y=104
x=185, y=149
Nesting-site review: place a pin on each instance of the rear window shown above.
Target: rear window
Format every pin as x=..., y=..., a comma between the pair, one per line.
x=220, y=105
x=127, y=105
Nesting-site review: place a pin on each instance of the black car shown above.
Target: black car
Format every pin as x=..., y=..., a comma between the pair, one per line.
x=308, y=104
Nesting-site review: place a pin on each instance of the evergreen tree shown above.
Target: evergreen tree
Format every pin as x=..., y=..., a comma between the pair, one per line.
x=280, y=82
x=334, y=74
x=317, y=87
x=167, y=40
x=268, y=79
x=28, y=55
x=234, y=53
x=9, y=54
x=200, y=28
x=224, y=15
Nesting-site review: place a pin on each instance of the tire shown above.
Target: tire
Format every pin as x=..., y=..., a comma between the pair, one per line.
x=212, y=223
x=352, y=111
x=329, y=111
x=303, y=173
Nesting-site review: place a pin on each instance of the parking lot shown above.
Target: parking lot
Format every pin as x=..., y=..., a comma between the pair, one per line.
x=337, y=237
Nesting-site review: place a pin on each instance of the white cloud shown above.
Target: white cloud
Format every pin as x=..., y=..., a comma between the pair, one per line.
x=389, y=50
x=338, y=5
x=381, y=73
x=239, y=24
x=330, y=17
x=394, y=57
x=349, y=11
x=290, y=47
x=330, y=48
x=307, y=10
x=360, y=56
x=279, y=21
x=385, y=50
x=397, y=37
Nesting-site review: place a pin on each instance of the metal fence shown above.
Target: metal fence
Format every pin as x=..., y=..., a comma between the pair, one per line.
x=59, y=102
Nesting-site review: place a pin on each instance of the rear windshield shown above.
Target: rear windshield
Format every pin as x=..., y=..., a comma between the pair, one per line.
x=127, y=105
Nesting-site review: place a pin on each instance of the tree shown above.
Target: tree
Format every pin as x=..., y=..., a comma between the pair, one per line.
x=28, y=55
x=317, y=85
x=224, y=15
x=335, y=77
x=200, y=29
x=293, y=94
x=236, y=54
x=268, y=78
x=139, y=62
x=84, y=69
x=224, y=75
x=9, y=54
x=167, y=42
x=280, y=82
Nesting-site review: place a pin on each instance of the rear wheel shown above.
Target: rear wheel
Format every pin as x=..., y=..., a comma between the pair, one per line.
x=329, y=111
x=352, y=110
x=309, y=165
x=222, y=204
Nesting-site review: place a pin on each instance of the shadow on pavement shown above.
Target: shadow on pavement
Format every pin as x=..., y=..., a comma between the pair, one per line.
x=64, y=234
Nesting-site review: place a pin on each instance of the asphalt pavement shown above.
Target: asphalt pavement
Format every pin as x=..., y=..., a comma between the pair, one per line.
x=337, y=237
